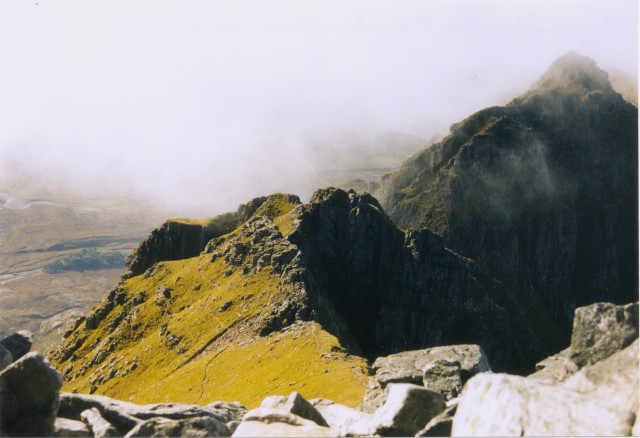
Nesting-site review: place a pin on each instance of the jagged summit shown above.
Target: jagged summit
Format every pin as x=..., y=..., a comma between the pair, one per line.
x=573, y=72
x=543, y=192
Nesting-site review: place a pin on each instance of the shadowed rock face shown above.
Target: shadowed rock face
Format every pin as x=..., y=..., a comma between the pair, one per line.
x=542, y=192
x=395, y=291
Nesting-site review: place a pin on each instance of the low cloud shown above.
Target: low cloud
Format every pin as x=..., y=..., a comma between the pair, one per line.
x=211, y=103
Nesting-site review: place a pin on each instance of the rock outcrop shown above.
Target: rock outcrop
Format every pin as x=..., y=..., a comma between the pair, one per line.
x=179, y=239
x=542, y=192
x=596, y=395
x=395, y=290
x=29, y=389
x=599, y=398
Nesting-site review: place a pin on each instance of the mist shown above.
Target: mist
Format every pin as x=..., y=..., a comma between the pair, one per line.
x=209, y=104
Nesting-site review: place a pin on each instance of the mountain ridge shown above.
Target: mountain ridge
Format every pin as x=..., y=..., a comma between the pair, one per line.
x=492, y=236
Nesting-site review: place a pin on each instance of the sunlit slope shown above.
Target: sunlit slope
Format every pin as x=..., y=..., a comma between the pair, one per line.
x=232, y=324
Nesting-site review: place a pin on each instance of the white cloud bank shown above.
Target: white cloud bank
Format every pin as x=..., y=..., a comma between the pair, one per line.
x=220, y=101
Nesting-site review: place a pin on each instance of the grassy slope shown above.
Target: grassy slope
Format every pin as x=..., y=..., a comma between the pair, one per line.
x=208, y=349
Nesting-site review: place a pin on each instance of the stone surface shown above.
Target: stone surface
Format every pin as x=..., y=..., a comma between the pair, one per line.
x=614, y=379
x=5, y=358
x=273, y=423
x=505, y=405
x=443, y=376
x=70, y=428
x=391, y=290
x=294, y=404
x=192, y=427
x=408, y=367
x=441, y=424
x=18, y=344
x=125, y=416
x=100, y=427
x=343, y=420
x=407, y=410
x=555, y=368
x=29, y=389
x=601, y=329
x=176, y=240
x=234, y=410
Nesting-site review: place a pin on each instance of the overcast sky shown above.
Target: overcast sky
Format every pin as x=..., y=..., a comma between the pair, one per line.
x=221, y=100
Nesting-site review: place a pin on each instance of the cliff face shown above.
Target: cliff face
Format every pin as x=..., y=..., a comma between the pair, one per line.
x=397, y=291
x=542, y=192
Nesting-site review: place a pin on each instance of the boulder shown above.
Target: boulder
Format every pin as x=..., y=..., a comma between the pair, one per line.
x=70, y=428
x=100, y=427
x=555, y=368
x=192, y=427
x=614, y=379
x=443, y=376
x=234, y=410
x=407, y=410
x=343, y=420
x=115, y=411
x=5, y=358
x=268, y=422
x=409, y=366
x=505, y=405
x=29, y=389
x=18, y=344
x=440, y=425
x=601, y=329
x=294, y=404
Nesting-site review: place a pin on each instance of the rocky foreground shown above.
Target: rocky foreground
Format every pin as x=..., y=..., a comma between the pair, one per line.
x=591, y=388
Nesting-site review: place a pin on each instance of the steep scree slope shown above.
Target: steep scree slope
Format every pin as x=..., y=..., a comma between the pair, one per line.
x=542, y=192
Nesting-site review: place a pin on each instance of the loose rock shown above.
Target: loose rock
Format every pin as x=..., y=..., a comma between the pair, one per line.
x=29, y=397
x=18, y=344
x=192, y=427
x=70, y=428
x=407, y=410
x=505, y=405
x=100, y=427
x=601, y=329
x=294, y=404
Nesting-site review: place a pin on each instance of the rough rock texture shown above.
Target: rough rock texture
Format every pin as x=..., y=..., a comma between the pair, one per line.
x=176, y=239
x=443, y=376
x=100, y=428
x=192, y=427
x=543, y=192
x=409, y=367
x=602, y=329
x=29, y=397
x=555, y=368
x=407, y=410
x=294, y=404
x=125, y=416
x=5, y=358
x=395, y=291
x=441, y=424
x=18, y=344
x=269, y=423
x=70, y=428
x=504, y=405
x=615, y=379
x=343, y=420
